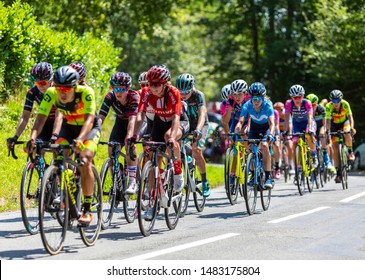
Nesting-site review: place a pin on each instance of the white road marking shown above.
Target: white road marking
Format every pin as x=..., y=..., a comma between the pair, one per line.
x=298, y=215
x=183, y=247
x=352, y=197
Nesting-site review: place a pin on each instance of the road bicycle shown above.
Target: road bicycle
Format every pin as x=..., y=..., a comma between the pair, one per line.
x=321, y=170
x=155, y=183
x=255, y=179
x=304, y=170
x=113, y=177
x=61, y=201
x=192, y=184
x=285, y=160
x=344, y=165
x=235, y=166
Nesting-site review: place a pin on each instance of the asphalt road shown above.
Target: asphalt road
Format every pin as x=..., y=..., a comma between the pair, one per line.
x=328, y=224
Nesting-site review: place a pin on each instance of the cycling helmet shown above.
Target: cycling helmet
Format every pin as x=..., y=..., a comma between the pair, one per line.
x=226, y=92
x=66, y=76
x=80, y=68
x=142, y=79
x=296, y=90
x=42, y=71
x=238, y=86
x=313, y=98
x=257, y=89
x=121, y=79
x=185, y=82
x=279, y=106
x=336, y=94
x=159, y=73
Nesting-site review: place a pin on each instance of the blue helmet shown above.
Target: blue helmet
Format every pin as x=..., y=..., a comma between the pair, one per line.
x=257, y=89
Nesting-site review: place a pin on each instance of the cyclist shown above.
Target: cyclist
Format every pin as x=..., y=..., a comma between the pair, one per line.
x=124, y=102
x=226, y=95
x=339, y=117
x=301, y=110
x=198, y=118
x=77, y=104
x=262, y=125
x=81, y=69
x=41, y=74
x=150, y=115
x=319, y=113
x=166, y=103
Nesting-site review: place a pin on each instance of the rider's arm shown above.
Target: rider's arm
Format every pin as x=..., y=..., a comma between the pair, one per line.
x=22, y=122
x=131, y=125
x=57, y=123
x=175, y=126
x=139, y=121
x=239, y=125
x=225, y=120
x=202, y=115
x=272, y=124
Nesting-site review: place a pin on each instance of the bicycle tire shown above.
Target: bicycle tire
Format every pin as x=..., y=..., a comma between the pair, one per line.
x=172, y=212
x=147, y=197
x=29, y=198
x=343, y=166
x=109, y=193
x=52, y=231
x=186, y=188
x=199, y=199
x=320, y=169
x=311, y=179
x=90, y=234
x=299, y=176
x=265, y=194
x=226, y=169
x=285, y=166
x=250, y=192
x=232, y=190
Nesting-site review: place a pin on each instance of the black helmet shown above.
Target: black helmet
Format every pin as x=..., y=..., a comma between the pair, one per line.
x=66, y=76
x=336, y=94
x=42, y=71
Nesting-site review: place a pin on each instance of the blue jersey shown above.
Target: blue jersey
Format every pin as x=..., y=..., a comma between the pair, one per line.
x=260, y=118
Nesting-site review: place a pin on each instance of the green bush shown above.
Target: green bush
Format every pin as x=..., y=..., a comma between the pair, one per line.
x=24, y=42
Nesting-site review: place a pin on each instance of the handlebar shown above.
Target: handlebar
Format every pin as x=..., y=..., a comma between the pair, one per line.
x=11, y=150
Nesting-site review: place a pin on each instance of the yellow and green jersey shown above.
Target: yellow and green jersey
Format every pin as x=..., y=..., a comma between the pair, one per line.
x=341, y=116
x=74, y=112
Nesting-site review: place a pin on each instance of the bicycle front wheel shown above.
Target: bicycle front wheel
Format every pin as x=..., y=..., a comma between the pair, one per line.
x=90, y=234
x=53, y=211
x=29, y=197
x=343, y=159
x=172, y=212
x=109, y=193
x=186, y=188
x=233, y=180
x=147, y=202
x=320, y=169
x=299, y=174
x=250, y=190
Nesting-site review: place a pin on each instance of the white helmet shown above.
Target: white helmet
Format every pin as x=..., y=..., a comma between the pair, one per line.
x=296, y=90
x=238, y=86
x=226, y=92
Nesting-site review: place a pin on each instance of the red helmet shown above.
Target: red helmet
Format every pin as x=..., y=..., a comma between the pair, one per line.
x=159, y=73
x=80, y=68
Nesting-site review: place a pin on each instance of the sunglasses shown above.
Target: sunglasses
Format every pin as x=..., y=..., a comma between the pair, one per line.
x=64, y=89
x=297, y=97
x=155, y=84
x=143, y=85
x=336, y=100
x=185, y=92
x=256, y=99
x=120, y=89
x=237, y=93
x=42, y=83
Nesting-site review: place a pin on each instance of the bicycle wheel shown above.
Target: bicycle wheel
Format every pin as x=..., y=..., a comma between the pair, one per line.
x=129, y=201
x=299, y=176
x=320, y=169
x=29, y=197
x=265, y=194
x=199, y=199
x=250, y=191
x=53, y=211
x=232, y=190
x=172, y=212
x=109, y=193
x=186, y=189
x=226, y=169
x=147, y=200
x=311, y=179
x=90, y=234
x=343, y=166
